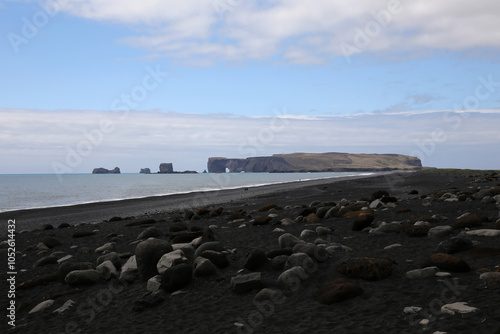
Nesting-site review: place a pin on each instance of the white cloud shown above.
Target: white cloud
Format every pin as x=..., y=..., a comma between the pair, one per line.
x=32, y=140
x=306, y=32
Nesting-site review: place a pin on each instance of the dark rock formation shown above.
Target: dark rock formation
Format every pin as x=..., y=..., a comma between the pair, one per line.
x=101, y=170
x=166, y=168
x=315, y=162
x=145, y=171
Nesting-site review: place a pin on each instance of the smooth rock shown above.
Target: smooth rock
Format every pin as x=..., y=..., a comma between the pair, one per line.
x=113, y=257
x=129, y=271
x=318, y=253
x=273, y=295
x=278, y=262
x=422, y=273
x=217, y=258
x=288, y=240
x=150, y=232
x=246, y=283
x=440, y=231
x=147, y=254
x=42, y=306
x=393, y=246
x=211, y=245
x=109, y=246
x=301, y=260
x=412, y=309
x=307, y=233
x=170, y=259
x=107, y=270
x=50, y=241
x=321, y=230
x=291, y=278
x=287, y=222
x=458, y=307
x=455, y=244
x=45, y=261
x=65, y=258
x=154, y=283
x=484, y=233
x=203, y=267
x=66, y=267
x=83, y=277
x=448, y=262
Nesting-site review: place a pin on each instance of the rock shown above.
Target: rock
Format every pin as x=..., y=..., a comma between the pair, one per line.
x=83, y=277
x=384, y=227
x=370, y=269
x=212, y=245
x=154, y=283
x=42, y=306
x=321, y=212
x=337, y=291
x=379, y=194
x=458, y=307
x=110, y=246
x=268, y=207
x=279, y=251
x=166, y=168
x=412, y=309
x=64, y=225
x=66, y=267
x=301, y=260
x=273, y=295
x=150, y=232
x=145, y=171
x=262, y=220
x=278, y=262
x=318, y=253
x=363, y=220
x=256, y=260
x=186, y=248
x=178, y=227
x=307, y=233
x=65, y=258
x=490, y=278
x=176, y=277
x=147, y=254
x=66, y=306
x=376, y=204
x=150, y=299
x=484, y=233
x=287, y=222
x=473, y=220
x=47, y=227
x=331, y=213
x=41, y=246
x=456, y=244
x=422, y=273
x=45, y=261
x=291, y=278
x=203, y=267
x=288, y=240
x=321, y=230
x=113, y=257
x=217, y=258
x=50, y=242
x=415, y=230
x=246, y=283
x=107, y=270
x=312, y=218
x=170, y=259
x=448, y=262
x=102, y=170
x=129, y=270
x=392, y=246
x=440, y=231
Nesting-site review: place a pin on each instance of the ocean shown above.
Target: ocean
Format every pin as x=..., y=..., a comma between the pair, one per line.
x=26, y=191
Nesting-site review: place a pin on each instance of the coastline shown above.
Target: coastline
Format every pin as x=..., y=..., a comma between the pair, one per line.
x=96, y=212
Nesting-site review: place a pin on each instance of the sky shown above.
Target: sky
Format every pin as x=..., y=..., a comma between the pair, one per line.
x=91, y=83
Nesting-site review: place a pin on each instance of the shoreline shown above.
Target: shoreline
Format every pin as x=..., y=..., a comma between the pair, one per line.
x=96, y=212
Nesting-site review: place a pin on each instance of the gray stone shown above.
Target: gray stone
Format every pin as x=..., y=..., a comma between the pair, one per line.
x=314, y=251
x=129, y=270
x=332, y=212
x=458, y=307
x=186, y=248
x=66, y=306
x=288, y=240
x=154, y=283
x=454, y=245
x=484, y=232
x=169, y=260
x=273, y=295
x=321, y=230
x=301, y=260
x=110, y=246
x=211, y=245
x=113, y=257
x=147, y=254
x=83, y=277
x=440, y=231
x=287, y=221
x=422, y=273
x=246, y=283
x=42, y=306
x=278, y=262
x=150, y=232
x=50, y=241
x=45, y=261
x=107, y=270
x=203, y=267
x=384, y=227
x=307, y=233
x=292, y=278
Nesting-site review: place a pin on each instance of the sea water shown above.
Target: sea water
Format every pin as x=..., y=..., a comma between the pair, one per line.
x=25, y=191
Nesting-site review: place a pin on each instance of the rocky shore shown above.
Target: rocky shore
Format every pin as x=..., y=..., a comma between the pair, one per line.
x=397, y=253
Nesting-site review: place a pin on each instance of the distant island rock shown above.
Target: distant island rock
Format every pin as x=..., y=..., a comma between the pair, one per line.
x=168, y=168
x=315, y=162
x=145, y=171
x=101, y=170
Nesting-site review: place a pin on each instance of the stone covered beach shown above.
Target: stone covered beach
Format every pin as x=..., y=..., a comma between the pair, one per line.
x=396, y=253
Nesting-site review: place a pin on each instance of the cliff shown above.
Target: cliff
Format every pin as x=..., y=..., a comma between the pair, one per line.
x=101, y=170
x=315, y=162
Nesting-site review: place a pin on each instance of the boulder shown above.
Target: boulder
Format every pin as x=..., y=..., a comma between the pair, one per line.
x=170, y=259
x=300, y=260
x=370, y=269
x=217, y=258
x=363, y=220
x=312, y=218
x=468, y=221
x=154, y=283
x=279, y=251
x=458, y=307
x=107, y=270
x=278, y=262
x=455, y=244
x=246, y=283
x=176, y=277
x=337, y=291
x=203, y=267
x=83, y=277
x=484, y=232
x=45, y=261
x=66, y=267
x=50, y=242
x=318, y=253
x=440, y=231
x=291, y=278
x=288, y=240
x=129, y=270
x=166, y=168
x=256, y=260
x=262, y=220
x=147, y=254
x=109, y=246
x=422, y=273
x=113, y=257
x=150, y=232
x=448, y=262
x=42, y=306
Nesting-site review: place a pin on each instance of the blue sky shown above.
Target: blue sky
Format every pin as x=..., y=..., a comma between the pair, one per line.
x=313, y=62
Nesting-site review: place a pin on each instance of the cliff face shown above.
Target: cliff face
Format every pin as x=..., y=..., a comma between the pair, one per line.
x=101, y=170
x=315, y=162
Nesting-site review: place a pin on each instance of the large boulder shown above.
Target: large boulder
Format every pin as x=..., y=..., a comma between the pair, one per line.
x=176, y=277
x=170, y=259
x=147, y=254
x=203, y=267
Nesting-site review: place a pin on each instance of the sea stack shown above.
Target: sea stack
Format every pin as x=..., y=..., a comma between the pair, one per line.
x=102, y=170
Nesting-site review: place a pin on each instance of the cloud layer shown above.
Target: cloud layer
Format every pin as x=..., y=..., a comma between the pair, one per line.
x=37, y=141
x=303, y=32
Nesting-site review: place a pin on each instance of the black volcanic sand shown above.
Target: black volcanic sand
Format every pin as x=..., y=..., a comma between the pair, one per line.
x=209, y=305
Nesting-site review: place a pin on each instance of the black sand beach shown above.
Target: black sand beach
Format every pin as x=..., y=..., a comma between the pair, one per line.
x=248, y=232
